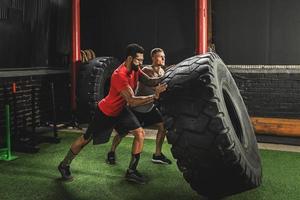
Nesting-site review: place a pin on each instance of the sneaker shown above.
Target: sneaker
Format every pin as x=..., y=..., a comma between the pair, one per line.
x=135, y=176
x=161, y=159
x=111, y=158
x=65, y=172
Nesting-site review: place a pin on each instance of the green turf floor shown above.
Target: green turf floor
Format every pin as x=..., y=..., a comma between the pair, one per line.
x=34, y=176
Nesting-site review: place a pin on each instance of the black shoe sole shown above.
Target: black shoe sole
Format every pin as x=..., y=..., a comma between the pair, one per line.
x=66, y=179
x=135, y=181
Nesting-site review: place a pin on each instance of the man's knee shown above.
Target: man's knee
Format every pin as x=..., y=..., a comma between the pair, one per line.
x=78, y=144
x=139, y=133
x=160, y=126
x=84, y=141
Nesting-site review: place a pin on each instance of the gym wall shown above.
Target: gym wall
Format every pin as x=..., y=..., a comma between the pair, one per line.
x=108, y=26
x=34, y=51
x=257, y=31
x=250, y=35
x=34, y=33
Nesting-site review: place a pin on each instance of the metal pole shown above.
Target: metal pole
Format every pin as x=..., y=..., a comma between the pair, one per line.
x=5, y=153
x=53, y=110
x=14, y=94
x=75, y=49
x=201, y=26
x=33, y=111
x=7, y=130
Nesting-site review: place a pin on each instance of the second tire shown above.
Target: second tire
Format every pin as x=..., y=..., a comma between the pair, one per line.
x=93, y=85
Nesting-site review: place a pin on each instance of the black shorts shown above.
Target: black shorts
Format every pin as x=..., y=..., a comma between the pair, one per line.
x=149, y=118
x=101, y=127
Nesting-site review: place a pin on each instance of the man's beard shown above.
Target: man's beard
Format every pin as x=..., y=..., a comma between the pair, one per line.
x=134, y=67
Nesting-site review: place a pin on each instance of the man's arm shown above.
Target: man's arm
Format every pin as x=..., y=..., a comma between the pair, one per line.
x=133, y=100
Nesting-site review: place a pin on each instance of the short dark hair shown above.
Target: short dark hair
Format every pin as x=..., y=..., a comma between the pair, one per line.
x=156, y=50
x=133, y=49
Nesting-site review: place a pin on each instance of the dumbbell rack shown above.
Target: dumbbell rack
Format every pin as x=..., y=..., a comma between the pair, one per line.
x=34, y=98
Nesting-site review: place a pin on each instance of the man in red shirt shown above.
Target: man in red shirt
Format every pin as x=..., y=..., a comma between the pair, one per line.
x=148, y=114
x=112, y=112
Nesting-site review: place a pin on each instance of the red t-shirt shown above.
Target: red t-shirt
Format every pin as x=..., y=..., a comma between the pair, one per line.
x=121, y=78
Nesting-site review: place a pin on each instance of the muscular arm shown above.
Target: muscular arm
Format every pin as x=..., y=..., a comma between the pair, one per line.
x=133, y=100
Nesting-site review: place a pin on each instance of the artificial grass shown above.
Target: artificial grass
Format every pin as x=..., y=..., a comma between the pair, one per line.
x=34, y=176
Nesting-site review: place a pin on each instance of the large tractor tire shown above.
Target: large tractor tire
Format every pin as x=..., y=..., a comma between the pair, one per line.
x=209, y=128
x=93, y=84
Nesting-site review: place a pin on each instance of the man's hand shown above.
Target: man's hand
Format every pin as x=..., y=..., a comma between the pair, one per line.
x=133, y=100
x=159, y=89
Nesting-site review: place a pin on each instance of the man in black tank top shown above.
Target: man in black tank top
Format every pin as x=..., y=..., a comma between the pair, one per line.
x=148, y=114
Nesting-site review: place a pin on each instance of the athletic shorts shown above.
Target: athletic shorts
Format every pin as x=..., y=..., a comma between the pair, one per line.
x=101, y=127
x=152, y=117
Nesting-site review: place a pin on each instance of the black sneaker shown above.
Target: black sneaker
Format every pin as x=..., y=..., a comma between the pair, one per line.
x=65, y=172
x=111, y=158
x=161, y=159
x=135, y=176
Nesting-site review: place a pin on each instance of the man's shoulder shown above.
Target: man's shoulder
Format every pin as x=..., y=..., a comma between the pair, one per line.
x=121, y=70
x=118, y=76
x=148, y=69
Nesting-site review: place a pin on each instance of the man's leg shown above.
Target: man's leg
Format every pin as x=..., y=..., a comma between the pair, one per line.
x=111, y=156
x=129, y=123
x=160, y=137
x=116, y=141
x=76, y=147
x=137, y=146
x=155, y=117
x=159, y=157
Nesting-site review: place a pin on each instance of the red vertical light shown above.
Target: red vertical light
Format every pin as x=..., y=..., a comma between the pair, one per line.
x=14, y=88
x=201, y=26
x=75, y=49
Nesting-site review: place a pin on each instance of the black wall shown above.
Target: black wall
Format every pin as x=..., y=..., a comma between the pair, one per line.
x=269, y=92
x=261, y=32
x=34, y=33
x=257, y=31
x=108, y=26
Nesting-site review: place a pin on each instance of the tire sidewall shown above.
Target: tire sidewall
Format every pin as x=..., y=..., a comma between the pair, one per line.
x=248, y=147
